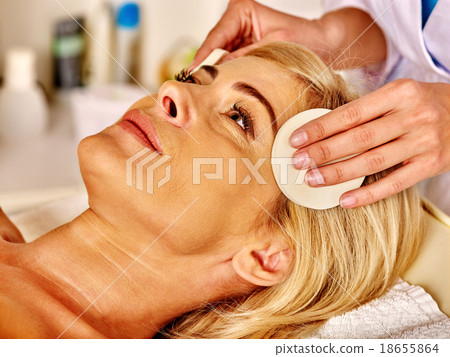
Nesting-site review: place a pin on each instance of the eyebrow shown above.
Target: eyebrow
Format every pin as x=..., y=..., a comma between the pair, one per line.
x=249, y=90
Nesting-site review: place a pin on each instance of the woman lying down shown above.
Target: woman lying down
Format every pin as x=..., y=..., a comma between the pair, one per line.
x=209, y=259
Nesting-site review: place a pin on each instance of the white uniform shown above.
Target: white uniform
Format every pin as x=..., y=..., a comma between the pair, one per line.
x=412, y=52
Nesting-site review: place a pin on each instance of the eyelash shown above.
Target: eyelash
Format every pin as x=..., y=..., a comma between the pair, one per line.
x=247, y=121
x=184, y=76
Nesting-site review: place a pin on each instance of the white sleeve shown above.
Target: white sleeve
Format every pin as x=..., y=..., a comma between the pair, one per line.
x=377, y=10
x=332, y=5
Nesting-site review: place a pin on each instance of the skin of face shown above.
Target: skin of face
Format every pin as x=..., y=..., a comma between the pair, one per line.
x=208, y=241
x=223, y=213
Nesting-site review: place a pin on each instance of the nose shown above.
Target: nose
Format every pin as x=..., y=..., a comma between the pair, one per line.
x=175, y=99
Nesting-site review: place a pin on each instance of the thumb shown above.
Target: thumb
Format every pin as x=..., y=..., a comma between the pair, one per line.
x=203, y=52
x=221, y=36
x=230, y=56
x=226, y=33
x=240, y=52
x=244, y=50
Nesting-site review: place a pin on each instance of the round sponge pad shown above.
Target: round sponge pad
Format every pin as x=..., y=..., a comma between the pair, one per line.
x=291, y=181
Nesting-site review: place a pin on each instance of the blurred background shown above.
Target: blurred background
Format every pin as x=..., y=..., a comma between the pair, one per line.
x=59, y=85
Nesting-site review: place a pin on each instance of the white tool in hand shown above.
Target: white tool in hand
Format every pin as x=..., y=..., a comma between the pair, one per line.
x=212, y=59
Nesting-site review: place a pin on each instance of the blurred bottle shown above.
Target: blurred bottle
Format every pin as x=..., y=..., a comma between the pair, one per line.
x=68, y=51
x=127, y=35
x=99, y=24
x=23, y=107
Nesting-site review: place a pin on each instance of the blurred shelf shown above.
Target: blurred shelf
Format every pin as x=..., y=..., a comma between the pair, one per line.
x=42, y=169
x=16, y=201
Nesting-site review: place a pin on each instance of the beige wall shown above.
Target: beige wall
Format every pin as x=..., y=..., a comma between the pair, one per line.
x=31, y=23
x=190, y=20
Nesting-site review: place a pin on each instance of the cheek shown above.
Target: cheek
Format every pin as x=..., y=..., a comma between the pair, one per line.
x=237, y=191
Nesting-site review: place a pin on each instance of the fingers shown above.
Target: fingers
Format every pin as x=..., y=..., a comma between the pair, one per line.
x=244, y=50
x=397, y=181
x=215, y=39
x=227, y=32
x=346, y=117
x=243, y=46
x=370, y=162
x=410, y=128
x=353, y=141
x=238, y=53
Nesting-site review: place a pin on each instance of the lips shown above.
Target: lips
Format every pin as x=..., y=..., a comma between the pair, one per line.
x=140, y=126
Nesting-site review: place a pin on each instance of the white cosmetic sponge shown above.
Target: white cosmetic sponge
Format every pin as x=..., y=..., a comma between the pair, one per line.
x=212, y=59
x=291, y=181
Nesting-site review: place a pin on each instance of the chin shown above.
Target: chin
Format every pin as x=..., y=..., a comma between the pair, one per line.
x=102, y=158
x=102, y=163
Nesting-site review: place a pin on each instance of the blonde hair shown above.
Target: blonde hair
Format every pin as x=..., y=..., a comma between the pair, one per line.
x=343, y=258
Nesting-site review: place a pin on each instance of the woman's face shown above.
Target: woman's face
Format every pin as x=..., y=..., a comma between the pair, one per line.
x=221, y=125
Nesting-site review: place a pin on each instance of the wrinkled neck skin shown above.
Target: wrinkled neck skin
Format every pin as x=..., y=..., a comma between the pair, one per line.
x=88, y=266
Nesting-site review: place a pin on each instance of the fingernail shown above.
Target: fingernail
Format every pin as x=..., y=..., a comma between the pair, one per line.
x=298, y=138
x=301, y=161
x=348, y=201
x=314, y=178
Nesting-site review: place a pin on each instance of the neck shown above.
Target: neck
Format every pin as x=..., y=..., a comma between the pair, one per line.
x=119, y=285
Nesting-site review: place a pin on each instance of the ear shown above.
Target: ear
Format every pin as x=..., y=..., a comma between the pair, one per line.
x=263, y=267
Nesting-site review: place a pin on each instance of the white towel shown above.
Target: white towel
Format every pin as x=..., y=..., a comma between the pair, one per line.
x=39, y=220
x=405, y=311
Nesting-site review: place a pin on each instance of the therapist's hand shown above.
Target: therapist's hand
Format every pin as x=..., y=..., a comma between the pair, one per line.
x=344, y=38
x=247, y=24
x=405, y=122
